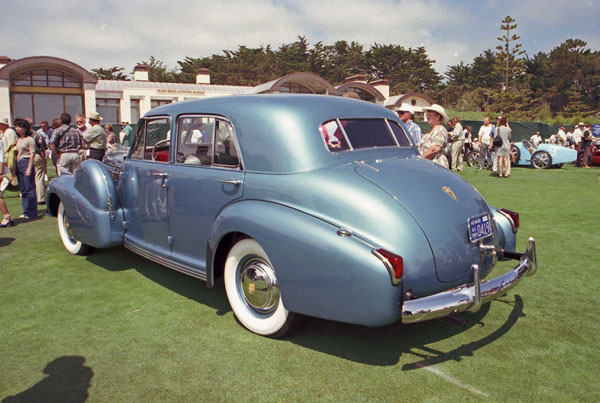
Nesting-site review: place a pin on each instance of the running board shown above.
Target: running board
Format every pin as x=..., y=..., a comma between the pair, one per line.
x=180, y=267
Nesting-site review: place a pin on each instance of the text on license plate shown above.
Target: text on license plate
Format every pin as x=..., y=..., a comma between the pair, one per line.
x=480, y=227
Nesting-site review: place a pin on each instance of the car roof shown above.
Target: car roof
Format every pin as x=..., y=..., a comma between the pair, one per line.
x=279, y=133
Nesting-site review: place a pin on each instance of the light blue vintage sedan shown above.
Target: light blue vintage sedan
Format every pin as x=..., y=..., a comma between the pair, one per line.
x=304, y=205
x=542, y=157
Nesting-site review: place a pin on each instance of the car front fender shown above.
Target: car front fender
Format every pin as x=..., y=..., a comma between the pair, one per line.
x=91, y=203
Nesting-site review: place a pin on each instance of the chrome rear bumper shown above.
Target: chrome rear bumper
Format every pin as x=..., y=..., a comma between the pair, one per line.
x=469, y=297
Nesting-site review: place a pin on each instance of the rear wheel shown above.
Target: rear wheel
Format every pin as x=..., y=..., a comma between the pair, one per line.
x=71, y=244
x=541, y=160
x=253, y=291
x=473, y=158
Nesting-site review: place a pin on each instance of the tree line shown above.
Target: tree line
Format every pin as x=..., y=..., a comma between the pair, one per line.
x=562, y=85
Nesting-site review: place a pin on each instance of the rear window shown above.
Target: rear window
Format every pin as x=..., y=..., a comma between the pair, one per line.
x=355, y=134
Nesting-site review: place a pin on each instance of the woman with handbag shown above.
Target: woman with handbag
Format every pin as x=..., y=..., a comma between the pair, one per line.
x=503, y=137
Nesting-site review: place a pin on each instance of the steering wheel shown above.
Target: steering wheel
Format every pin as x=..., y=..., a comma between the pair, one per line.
x=165, y=141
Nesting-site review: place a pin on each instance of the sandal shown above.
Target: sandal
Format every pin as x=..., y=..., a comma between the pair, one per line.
x=7, y=222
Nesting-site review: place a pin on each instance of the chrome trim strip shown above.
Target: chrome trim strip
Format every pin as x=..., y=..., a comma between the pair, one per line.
x=182, y=268
x=469, y=297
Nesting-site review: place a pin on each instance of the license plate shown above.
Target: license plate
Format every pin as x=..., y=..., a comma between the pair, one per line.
x=480, y=227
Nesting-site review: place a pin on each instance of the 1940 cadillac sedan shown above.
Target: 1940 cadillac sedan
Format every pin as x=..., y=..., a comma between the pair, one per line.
x=304, y=205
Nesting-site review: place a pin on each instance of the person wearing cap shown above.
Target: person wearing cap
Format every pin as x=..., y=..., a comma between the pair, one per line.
x=66, y=142
x=432, y=144
x=95, y=137
x=407, y=114
x=457, y=140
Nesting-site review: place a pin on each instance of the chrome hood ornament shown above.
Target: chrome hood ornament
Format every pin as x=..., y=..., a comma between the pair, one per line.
x=449, y=192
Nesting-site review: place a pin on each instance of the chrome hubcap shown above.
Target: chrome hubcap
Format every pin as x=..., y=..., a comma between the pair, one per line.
x=541, y=160
x=68, y=228
x=259, y=286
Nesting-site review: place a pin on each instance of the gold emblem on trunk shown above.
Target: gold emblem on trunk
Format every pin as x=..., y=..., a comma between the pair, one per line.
x=450, y=192
x=251, y=288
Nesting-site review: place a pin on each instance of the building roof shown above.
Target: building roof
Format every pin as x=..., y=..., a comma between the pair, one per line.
x=116, y=85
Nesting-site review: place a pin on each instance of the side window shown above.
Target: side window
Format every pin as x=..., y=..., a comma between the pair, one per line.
x=153, y=140
x=226, y=152
x=333, y=135
x=401, y=136
x=195, y=140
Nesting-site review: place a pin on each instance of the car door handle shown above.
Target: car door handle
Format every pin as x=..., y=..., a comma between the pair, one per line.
x=157, y=175
x=232, y=182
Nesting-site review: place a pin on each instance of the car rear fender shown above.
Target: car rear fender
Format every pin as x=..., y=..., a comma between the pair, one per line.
x=320, y=272
x=91, y=203
x=507, y=235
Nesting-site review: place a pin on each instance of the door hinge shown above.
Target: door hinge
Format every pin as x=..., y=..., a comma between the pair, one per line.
x=170, y=240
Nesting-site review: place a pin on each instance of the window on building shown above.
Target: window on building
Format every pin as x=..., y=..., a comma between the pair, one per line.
x=155, y=103
x=109, y=109
x=135, y=110
x=46, y=78
x=40, y=107
x=295, y=88
x=364, y=95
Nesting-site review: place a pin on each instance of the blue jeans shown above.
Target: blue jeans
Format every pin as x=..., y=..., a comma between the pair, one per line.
x=27, y=188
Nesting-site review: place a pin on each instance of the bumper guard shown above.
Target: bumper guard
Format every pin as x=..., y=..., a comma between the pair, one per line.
x=470, y=297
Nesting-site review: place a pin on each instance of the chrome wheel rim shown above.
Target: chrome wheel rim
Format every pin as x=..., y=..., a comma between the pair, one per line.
x=540, y=160
x=257, y=286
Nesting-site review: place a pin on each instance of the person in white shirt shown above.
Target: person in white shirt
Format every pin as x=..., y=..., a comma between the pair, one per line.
x=562, y=136
x=536, y=139
x=485, y=142
x=577, y=135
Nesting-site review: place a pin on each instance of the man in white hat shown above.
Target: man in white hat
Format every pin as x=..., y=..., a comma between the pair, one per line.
x=9, y=141
x=407, y=114
x=95, y=137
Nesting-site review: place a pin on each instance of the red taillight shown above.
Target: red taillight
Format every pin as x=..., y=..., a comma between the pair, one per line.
x=514, y=216
x=392, y=262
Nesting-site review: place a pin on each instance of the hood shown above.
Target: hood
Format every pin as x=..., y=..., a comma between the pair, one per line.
x=441, y=202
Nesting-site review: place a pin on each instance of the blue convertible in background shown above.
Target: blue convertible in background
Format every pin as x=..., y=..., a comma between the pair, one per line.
x=304, y=205
x=542, y=157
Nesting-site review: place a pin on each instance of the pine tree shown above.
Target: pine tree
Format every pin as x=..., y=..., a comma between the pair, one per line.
x=512, y=66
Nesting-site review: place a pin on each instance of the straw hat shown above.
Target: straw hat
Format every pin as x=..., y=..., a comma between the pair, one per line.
x=4, y=121
x=94, y=116
x=439, y=109
x=580, y=124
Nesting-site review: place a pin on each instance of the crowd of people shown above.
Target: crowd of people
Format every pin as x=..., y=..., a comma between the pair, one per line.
x=448, y=142
x=24, y=155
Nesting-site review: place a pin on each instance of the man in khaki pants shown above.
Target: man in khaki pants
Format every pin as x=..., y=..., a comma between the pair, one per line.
x=457, y=141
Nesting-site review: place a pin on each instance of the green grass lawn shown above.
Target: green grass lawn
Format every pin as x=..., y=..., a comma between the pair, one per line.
x=113, y=326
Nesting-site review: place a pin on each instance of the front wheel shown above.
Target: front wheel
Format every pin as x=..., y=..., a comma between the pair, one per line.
x=71, y=244
x=253, y=291
x=541, y=160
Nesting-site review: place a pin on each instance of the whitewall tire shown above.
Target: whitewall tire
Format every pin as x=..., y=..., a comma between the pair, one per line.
x=253, y=291
x=71, y=244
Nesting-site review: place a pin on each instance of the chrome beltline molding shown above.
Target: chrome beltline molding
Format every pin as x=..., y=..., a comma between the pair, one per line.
x=470, y=297
x=190, y=271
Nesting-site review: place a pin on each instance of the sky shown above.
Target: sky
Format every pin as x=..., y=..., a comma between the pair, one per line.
x=123, y=33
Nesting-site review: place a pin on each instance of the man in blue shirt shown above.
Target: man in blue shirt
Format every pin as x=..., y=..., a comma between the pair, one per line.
x=406, y=114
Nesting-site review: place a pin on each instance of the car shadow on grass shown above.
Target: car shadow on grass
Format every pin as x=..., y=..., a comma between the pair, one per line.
x=120, y=259
x=6, y=241
x=385, y=345
x=67, y=380
x=380, y=346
